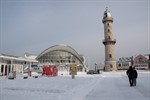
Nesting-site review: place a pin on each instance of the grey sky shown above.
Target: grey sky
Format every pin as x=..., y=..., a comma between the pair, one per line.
x=34, y=25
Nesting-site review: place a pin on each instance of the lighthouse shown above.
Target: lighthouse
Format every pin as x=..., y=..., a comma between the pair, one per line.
x=109, y=42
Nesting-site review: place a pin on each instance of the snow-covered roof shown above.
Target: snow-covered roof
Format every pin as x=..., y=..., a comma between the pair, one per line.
x=29, y=56
x=11, y=57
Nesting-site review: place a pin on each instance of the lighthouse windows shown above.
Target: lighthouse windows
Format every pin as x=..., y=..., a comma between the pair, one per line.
x=111, y=66
x=110, y=56
x=108, y=30
x=107, y=24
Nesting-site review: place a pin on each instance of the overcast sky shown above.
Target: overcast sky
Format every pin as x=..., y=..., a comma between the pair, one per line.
x=34, y=25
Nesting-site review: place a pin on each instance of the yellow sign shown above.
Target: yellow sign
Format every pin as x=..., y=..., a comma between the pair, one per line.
x=73, y=68
x=73, y=71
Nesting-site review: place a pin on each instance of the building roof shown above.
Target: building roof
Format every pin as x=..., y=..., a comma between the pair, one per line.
x=61, y=47
x=11, y=57
x=107, y=13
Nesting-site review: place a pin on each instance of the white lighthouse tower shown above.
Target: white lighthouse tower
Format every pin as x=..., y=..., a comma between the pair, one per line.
x=109, y=42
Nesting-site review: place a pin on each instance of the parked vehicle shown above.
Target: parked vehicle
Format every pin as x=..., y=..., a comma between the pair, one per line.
x=93, y=72
x=25, y=75
x=35, y=74
x=90, y=72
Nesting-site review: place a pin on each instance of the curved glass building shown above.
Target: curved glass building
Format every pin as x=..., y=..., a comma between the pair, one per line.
x=63, y=57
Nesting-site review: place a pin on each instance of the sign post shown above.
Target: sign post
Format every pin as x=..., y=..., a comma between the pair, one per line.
x=73, y=70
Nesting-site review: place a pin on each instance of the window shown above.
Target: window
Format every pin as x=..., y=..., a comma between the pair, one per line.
x=2, y=68
x=111, y=66
x=141, y=60
x=107, y=24
x=119, y=65
x=110, y=56
x=108, y=30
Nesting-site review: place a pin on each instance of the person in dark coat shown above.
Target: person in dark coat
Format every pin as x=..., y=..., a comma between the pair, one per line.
x=130, y=74
x=135, y=75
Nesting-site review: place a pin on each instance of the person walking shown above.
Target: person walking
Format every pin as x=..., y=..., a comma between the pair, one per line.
x=130, y=74
x=135, y=75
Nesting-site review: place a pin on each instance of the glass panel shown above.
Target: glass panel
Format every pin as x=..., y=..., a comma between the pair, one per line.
x=58, y=57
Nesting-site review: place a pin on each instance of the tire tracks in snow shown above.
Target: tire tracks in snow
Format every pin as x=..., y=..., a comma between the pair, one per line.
x=80, y=92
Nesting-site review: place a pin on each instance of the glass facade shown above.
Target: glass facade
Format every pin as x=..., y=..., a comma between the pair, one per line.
x=62, y=59
x=58, y=57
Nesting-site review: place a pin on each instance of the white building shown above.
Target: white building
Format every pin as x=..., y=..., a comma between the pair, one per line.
x=10, y=63
x=138, y=61
x=124, y=62
x=63, y=56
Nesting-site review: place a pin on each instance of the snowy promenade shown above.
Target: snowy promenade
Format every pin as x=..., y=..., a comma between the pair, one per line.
x=106, y=86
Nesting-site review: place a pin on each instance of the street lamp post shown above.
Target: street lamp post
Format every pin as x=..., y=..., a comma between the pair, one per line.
x=95, y=66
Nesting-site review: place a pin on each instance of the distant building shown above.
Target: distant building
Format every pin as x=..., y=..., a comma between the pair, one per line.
x=141, y=61
x=124, y=63
x=138, y=61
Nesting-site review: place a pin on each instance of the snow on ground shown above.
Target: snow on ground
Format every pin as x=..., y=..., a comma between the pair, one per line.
x=105, y=86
